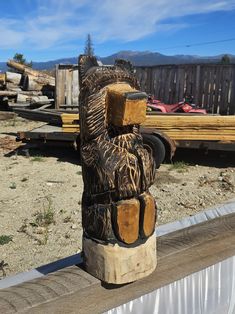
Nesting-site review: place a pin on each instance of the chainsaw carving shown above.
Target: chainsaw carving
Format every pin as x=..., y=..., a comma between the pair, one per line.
x=118, y=212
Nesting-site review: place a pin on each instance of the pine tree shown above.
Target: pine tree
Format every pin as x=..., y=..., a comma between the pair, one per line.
x=89, y=51
x=19, y=57
x=225, y=59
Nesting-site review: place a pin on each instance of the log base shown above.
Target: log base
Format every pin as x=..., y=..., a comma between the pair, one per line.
x=118, y=265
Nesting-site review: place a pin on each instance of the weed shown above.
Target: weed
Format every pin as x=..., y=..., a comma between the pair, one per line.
x=179, y=166
x=44, y=240
x=37, y=158
x=24, y=179
x=44, y=218
x=5, y=239
x=12, y=185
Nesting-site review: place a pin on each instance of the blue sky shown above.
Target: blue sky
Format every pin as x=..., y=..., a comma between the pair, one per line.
x=51, y=29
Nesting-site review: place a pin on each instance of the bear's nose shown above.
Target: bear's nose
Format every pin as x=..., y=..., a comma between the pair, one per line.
x=125, y=105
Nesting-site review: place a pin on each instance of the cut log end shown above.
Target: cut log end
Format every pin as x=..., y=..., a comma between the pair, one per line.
x=125, y=105
x=118, y=265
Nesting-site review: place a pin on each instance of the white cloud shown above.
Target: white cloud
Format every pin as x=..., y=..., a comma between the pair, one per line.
x=54, y=23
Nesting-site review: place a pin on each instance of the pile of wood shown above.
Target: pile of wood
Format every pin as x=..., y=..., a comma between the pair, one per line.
x=198, y=127
x=24, y=86
x=2, y=80
x=70, y=122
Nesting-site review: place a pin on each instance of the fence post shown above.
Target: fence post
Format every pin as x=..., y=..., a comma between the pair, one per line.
x=196, y=96
x=149, y=80
x=57, y=105
x=232, y=100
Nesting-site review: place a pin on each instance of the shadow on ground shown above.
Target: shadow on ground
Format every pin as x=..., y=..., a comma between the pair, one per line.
x=218, y=159
x=63, y=153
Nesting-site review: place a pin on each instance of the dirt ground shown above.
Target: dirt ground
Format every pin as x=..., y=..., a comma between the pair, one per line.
x=40, y=196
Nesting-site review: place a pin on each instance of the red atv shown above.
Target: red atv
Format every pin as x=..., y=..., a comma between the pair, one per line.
x=185, y=106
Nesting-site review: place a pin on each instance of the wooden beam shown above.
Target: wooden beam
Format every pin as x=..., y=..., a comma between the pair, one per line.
x=125, y=105
x=39, y=76
x=14, y=78
x=2, y=78
x=203, y=127
x=15, y=93
x=181, y=254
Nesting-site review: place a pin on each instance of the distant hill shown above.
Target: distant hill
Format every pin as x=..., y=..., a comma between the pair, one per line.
x=148, y=58
x=144, y=58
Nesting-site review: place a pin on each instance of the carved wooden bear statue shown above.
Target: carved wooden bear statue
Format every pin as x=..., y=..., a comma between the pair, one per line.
x=118, y=212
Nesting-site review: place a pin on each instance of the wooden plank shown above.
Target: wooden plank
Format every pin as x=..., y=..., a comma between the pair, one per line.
x=2, y=78
x=68, y=84
x=37, y=115
x=206, y=86
x=217, y=90
x=210, y=84
x=173, y=87
x=58, y=85
x=204, y=127
x=180, y=254
x=167, y=85
x=197, y=83
x=189, y=121
x=75, y=87
x=232, y=96
x=223, y=104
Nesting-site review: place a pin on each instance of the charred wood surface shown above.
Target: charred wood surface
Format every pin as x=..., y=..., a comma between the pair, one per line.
x=117, y=171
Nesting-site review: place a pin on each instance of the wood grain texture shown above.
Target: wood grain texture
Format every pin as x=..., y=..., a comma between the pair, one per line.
x=115, y=164
x=198, y=127
x=2, y=78
x=212, y=85
x=127, y=220
x=67, y=86
x=116, y=264
x=116, y=169
x=148, y=212
x=14, y=78
x=125, y=105
x=39, y=76
x=181, y=253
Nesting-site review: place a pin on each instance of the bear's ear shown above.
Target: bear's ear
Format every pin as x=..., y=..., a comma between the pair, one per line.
x=85, y=63
x=124, y=65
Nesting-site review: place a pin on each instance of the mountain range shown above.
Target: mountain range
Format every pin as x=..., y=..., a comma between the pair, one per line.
x=144, y=58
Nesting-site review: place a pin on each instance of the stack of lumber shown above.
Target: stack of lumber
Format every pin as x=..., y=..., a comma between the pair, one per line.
x=32, y=79
x=2, y=80
x=25, y=86
x=70, y=122
x=50, y=116
x=198, y=127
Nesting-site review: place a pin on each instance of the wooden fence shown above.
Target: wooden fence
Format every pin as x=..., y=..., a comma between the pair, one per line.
x=67, y=87
x=212, y=85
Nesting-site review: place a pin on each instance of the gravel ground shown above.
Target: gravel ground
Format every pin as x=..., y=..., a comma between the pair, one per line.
x=40, y=196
